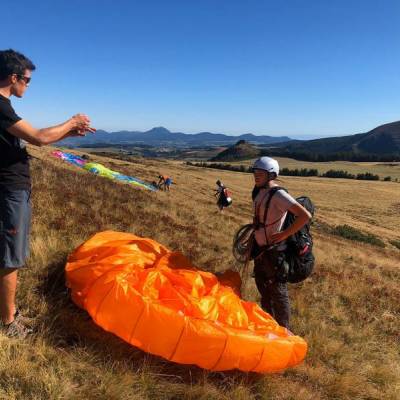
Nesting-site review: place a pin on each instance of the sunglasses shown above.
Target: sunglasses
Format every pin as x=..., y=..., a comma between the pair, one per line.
x=24, y=78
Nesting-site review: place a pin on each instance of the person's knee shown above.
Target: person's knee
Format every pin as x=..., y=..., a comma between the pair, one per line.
x=280, y=290
x=8, y=272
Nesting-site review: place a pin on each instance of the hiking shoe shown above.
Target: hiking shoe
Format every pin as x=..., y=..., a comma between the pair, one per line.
x=24, y=320
x=16, y=329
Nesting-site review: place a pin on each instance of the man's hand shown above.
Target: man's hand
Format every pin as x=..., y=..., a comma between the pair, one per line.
x=80, y=124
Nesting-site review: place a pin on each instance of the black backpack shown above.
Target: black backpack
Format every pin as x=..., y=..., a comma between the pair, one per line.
x=298, y=255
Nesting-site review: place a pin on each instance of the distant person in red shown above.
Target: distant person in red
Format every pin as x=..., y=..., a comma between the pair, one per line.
x=164, y=182
x=15, y=183
x=223, y=196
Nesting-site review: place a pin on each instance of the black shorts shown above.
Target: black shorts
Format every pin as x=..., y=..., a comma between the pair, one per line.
x=15, y=222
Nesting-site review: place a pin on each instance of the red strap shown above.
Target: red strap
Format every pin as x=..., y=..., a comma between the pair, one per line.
x=269, y=193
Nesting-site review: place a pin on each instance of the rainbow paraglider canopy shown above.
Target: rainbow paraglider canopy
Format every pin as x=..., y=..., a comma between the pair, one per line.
x=101, y=170
x=158, y=301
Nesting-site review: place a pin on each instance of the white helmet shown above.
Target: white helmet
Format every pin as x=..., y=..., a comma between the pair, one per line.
x=267, y=164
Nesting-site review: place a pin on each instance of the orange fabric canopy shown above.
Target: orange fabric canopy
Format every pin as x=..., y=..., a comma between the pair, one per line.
x=156, y=300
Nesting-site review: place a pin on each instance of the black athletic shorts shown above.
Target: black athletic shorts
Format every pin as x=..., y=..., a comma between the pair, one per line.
x=15, y=222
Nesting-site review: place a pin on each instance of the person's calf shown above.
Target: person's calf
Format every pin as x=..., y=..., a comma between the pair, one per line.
x=8, y=286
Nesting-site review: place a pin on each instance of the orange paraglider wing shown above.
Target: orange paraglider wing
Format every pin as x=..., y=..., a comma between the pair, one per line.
x=156, y=300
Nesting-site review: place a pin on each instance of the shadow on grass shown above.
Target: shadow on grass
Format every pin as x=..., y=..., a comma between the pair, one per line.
x=70, y=328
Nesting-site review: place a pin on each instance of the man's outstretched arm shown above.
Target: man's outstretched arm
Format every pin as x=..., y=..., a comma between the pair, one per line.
x=79, y=124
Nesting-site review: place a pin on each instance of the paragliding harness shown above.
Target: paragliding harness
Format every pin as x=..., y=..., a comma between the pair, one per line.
x=224, y=198
x=292, y=265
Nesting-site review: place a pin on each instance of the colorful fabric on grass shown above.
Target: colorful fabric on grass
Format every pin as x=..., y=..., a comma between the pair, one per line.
x=71, y=158
x=156, y=300
x=101, y=170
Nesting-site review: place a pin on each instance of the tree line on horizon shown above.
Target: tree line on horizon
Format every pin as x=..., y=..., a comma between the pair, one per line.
x=324, y=157
x=295, y=172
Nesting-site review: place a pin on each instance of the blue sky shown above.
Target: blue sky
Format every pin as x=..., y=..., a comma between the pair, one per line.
x=295, y=67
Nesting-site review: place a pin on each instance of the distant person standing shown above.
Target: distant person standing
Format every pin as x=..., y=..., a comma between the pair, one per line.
x=161, y=182
x=271, y=204
x=15, y=181
x=223, y=196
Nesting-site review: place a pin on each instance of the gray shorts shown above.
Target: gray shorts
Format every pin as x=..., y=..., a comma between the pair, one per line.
x=15, y=222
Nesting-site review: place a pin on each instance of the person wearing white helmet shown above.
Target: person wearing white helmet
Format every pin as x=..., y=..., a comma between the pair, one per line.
x=271, y=204
x=267, y=164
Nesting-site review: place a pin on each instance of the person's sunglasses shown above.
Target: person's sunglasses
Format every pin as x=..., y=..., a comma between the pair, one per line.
x=24, y=78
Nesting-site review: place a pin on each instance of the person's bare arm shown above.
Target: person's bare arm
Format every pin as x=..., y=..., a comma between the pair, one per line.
x=77, y=125
x=302, y=216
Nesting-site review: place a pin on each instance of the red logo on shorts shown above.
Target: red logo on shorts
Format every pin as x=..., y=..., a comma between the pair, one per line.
x=13, y=231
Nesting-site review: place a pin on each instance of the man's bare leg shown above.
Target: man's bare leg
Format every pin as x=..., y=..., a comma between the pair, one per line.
x=8, y=286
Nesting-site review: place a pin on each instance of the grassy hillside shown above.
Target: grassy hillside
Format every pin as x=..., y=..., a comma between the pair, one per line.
x=348, y=311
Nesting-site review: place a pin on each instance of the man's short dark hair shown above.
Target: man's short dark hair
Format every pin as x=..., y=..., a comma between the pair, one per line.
x=12, y=62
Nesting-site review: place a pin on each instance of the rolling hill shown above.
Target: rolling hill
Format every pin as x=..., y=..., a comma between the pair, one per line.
x=241, y=150
x=379, y=144
x=383, y=140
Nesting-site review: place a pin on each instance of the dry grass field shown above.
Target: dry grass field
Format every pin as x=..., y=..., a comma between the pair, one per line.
x=348, y=311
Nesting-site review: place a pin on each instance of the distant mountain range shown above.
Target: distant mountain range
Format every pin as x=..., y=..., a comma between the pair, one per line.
x=163, y=137
x=380, y=144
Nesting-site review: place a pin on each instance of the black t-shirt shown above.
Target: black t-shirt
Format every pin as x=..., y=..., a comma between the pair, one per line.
x=14, y=159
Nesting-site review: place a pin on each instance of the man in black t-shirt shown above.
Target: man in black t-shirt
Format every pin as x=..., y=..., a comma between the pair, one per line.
x=15, y=185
